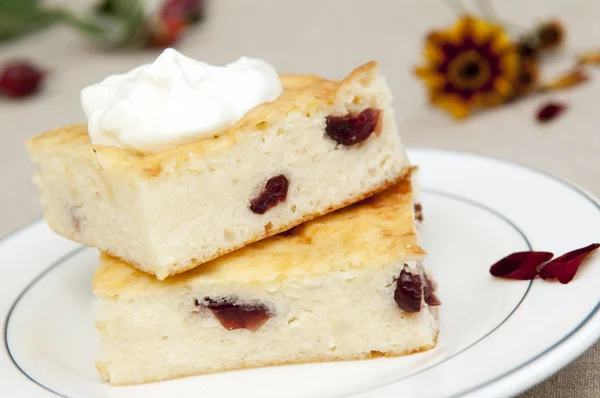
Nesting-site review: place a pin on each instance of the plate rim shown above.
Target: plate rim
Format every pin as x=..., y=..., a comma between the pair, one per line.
x=560, y=361
x=559, y=355
x=77, y=250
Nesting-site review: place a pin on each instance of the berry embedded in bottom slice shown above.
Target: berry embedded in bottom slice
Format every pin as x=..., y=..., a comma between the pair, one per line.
x=237, y=316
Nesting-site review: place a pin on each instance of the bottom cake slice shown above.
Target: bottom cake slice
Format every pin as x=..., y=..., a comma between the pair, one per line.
x=349, y=285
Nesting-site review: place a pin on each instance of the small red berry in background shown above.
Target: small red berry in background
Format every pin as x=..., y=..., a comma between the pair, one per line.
x=550, y=111
x=189, y=11
x=174, y=17
x=165, y=35
x=20, y=79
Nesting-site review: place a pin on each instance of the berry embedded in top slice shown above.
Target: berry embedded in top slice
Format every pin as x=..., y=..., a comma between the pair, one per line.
x=274, y=192
x=354, y=128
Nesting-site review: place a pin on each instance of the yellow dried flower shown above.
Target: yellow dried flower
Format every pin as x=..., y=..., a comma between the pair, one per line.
x=472, y=64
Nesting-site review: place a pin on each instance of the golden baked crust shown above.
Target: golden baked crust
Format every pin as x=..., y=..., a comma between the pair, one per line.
x=371, y=233
x=306, y=93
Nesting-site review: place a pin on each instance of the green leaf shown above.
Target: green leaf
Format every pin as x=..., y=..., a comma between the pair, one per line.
x=84, y=26
x=18, y=17
x=130, y=13
x=17, y=23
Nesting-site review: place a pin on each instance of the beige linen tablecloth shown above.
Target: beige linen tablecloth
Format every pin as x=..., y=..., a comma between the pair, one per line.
x=330, y=38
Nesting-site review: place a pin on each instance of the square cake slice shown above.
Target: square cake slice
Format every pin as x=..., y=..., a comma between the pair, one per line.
x=349, y=285
x=320, y=146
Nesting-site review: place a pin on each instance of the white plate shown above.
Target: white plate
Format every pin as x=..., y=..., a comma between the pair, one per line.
x=497, y=337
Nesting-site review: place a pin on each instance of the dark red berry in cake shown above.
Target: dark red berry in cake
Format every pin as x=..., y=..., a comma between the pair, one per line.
x=428, y=291
x=409, y=292
x=418, y=212
x=274, y=192
x=550, y=111
x=20, y=79
x=565, y=267
x=353, y=128
x=237, y=316
x=520, y=265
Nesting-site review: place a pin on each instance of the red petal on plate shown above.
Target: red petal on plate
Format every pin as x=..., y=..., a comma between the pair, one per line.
x=520, y=265
x=565, y=267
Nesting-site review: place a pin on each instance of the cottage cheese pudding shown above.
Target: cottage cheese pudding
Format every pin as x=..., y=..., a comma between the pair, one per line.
x=181, y=162
x=348, y=285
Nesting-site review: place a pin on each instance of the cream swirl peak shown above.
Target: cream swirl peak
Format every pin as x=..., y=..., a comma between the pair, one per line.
x=174, y=101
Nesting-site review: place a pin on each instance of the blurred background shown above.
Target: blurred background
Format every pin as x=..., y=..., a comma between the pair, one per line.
x=74, y=43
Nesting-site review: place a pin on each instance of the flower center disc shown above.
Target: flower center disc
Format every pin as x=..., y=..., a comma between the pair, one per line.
x=469, y=71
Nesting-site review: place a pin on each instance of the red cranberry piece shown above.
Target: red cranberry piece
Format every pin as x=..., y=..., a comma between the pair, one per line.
x=166, y=34
x=550, y=111
x=409, y=292
x=353, y=128
x=564, y=267
x=274, y=192
x=521, y=265
x=418, y=212
x=183, y=10
x=238, y=316
x=20, y=79
x=428, y=291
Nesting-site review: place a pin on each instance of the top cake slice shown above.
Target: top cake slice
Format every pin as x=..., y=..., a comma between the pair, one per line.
x=321, y=145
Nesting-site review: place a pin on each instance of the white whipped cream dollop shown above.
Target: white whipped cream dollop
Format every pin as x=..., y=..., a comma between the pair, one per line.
x=174, y=101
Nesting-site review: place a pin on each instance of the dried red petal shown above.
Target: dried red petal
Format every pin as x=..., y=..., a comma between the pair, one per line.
x=409, y=292
x=430, y=297
x=20, y=79
x=183, y=10
x=550, y=111
x=520, y=265
x=565, y=267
